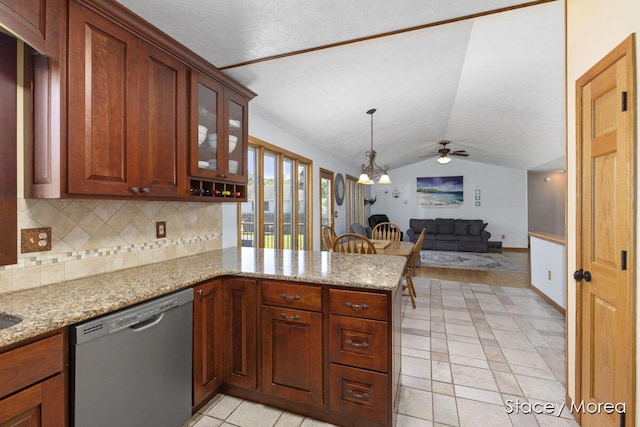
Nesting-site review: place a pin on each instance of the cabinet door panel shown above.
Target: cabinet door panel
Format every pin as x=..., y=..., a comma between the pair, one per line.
x=207, y=340
x=240, y=323
x=164, y=125
x=37, y=22
x=292, y=354
x=42, y=404
x=102, y=105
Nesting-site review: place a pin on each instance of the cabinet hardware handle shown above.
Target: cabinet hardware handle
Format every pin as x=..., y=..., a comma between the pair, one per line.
x=358, y=395
x=135, y=189
x=294, y=317
x=200, y=292
x=290, y=297
x=357, y=344
x=352, y=305
x=145, y=190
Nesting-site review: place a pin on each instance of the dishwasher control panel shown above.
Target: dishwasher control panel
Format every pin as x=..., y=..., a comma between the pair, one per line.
x=139, y=316
x=130, y=317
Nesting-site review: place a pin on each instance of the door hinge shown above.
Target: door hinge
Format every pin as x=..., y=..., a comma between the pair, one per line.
x=623, y=419
x=624, y=101
x=623, y=260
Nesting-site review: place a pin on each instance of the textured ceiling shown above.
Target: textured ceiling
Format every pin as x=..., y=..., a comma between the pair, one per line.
x=492, y=84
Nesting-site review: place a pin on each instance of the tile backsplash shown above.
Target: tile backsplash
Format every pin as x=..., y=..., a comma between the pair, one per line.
x=97, y=236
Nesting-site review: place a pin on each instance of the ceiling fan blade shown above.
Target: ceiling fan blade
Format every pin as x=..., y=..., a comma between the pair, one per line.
x=460, y=153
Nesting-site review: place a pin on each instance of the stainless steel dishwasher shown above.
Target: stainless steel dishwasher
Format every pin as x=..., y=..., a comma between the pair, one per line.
x=133, y=367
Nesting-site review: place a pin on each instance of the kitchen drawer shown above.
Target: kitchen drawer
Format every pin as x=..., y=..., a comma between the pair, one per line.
x=31, y=363
x=368, y=305
x=358, y=342
x=291, y=295
x=359, y=393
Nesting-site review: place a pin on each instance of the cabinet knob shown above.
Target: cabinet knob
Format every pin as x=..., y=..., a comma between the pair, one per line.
x=135, y=189
x=200, y=292
x=146, y=190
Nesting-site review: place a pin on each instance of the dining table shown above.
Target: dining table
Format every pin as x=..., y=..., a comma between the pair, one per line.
x=388, y=247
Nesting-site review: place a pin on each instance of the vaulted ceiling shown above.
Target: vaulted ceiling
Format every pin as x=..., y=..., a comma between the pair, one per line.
x=487, y=75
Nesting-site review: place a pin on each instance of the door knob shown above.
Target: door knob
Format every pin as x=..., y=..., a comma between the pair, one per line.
x=578, y=274
x=587, y=276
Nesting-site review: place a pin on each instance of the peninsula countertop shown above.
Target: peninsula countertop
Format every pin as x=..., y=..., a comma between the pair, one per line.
x=51, y=307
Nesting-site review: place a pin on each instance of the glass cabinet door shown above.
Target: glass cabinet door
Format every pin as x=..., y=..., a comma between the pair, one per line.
x=236, y=108
x=206, y=104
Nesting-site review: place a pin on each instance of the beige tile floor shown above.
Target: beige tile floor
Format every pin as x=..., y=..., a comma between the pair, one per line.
x=469, y=352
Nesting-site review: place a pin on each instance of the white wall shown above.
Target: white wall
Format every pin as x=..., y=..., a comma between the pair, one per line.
x=594, y=28
x=548, y=270
x=268, y=132
x=503, y=197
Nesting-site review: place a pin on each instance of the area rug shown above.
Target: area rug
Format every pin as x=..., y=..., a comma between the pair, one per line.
x=468, y=261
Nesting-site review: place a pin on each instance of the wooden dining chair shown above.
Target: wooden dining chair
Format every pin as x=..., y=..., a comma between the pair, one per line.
x=410, y=269
x=353, y=244
x=328, y=236
x=386, y=231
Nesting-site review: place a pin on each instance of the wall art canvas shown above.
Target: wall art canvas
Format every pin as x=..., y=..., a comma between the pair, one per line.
x=440, y=191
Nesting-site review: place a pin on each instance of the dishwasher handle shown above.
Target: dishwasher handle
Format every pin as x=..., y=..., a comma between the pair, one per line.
x=146, y=324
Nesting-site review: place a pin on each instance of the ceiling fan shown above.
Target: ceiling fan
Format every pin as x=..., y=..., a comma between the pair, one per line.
x=444, y=153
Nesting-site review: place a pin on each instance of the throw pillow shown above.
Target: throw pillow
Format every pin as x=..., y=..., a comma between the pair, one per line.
x=476, y=227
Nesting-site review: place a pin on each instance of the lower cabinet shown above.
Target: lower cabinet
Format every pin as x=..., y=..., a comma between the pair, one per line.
x=207, y=340
x=327, y=353
x=240, y=332
x=292, y=343
x=34, y=386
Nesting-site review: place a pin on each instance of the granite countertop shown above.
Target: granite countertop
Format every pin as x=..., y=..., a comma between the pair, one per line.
x=51, y=307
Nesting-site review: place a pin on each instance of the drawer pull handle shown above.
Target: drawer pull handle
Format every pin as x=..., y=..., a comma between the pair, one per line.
x=290, y=297
x=294, y=317
x=357, y=344
x=358, y=395
x=352, y=305
x=200, y=292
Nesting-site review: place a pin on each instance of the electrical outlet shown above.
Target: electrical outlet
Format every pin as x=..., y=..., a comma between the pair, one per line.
x=549, y=274
x=35, y=239
x=161, y=229
x=504, y=236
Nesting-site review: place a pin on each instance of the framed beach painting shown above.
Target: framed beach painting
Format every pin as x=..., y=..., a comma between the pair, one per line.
x=440, y=191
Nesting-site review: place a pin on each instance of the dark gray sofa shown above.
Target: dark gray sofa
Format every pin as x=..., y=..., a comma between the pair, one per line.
x=445, y=234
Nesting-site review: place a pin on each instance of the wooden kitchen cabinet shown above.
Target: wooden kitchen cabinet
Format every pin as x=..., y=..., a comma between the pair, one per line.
x=36, y=22
x=127, y=112
x=241, y=336
x=218, y=141
x=33, y=390
x=292, y=342
x=207, y=341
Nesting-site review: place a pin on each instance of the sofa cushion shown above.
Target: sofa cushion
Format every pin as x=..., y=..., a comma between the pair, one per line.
x=469, y=238
x=461, y=227
x=445, y=226
x=447, y=237
x=476, y=226
x=418, y=224
x=430, y=225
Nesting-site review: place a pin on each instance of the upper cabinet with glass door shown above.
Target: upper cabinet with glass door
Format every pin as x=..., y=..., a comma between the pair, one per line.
x=219, y=135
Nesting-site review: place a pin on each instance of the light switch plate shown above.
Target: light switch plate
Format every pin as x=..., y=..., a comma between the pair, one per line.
x=35, y=239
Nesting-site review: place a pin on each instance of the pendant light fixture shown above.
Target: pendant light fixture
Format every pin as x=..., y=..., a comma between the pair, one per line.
x=372, y=169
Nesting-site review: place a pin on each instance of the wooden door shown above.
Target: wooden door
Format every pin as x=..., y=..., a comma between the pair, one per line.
x=606, y=237
x=292, y=354
x=207, y=340
x=163, y=124
x=240, y=339
x=43, y=404
x=103, y=106
x=326, y=202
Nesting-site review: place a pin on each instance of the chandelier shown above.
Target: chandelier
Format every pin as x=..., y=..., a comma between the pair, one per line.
x=372, y=170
